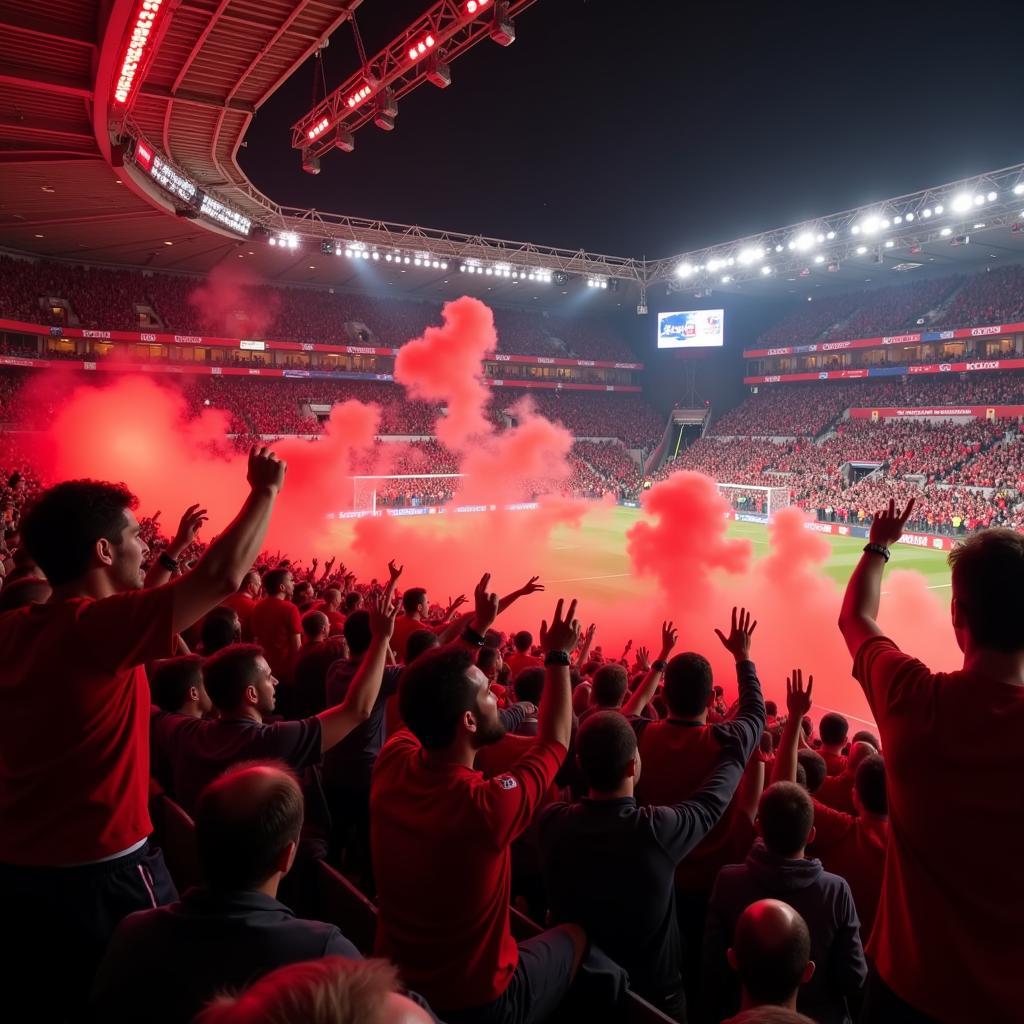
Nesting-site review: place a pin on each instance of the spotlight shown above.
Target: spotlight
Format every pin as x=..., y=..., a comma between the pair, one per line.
x=992, y=197
x=979, y=200
x=766, y=271
x=819, y=258
x=503, y=28
x=909, y=218
x=939, y=209
x=861, y=249
x=889, y=243
x=926, y=213
x=285, y=240
x=684, y=270
x=831, y=235
x=961, y=203
x=1018, y=189
x=946, y=232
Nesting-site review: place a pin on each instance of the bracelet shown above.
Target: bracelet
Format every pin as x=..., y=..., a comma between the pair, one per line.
x=659, y=666
x=471, y=636
x=877, y=549
x=556, y=658
x=168, y=563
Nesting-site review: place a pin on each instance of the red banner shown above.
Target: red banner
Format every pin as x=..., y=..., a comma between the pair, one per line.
x=981, y=412
x=892, y=371
x=193, y=340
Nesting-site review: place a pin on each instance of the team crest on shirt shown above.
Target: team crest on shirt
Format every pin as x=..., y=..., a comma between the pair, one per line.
x=506, y=781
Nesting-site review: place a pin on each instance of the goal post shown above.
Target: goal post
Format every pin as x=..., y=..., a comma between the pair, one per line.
x=369, y=493
x=757, y=503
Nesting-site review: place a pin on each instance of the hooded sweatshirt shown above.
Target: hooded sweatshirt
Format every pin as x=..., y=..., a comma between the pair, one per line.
x=825, y=903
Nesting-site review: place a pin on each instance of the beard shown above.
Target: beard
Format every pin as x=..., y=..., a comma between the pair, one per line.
x=489, y=732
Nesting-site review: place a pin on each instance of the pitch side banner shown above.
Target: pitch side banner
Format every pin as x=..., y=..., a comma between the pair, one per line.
x=999, y=412
x=193, y=340
x=913, y=338
x=974, y=366
x=914, y=540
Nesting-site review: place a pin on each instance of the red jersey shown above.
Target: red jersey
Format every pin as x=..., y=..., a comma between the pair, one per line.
x=74, y=725
x=440, y=837
x=275, y=624
x=517, y=662
x=404, y=628
x=243, y=605
x=836, y=791
x=952, y=892
x=835, y=764
x=855, y=849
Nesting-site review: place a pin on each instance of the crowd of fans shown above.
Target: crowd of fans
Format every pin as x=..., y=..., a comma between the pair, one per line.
x=335, y=741
x=993, y=296
x=106, y=299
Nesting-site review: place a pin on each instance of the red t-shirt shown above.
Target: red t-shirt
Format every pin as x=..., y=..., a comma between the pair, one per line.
x=836, y=791
x=74, y=725
x=835, y=764
x=440, y=839
x=243, y=605
x=677, y=758
x=404, y=628
x=853, y=848
x=948, y=937
x=275, y=624
x=517, y=662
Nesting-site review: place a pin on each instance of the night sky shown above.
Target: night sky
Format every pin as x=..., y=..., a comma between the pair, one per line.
x=656, y=126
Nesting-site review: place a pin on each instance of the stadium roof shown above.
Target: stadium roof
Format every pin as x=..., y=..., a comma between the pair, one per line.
x=69, y=188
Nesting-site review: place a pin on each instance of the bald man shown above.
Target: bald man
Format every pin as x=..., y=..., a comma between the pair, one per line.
x=771, y=953
x=163, y=965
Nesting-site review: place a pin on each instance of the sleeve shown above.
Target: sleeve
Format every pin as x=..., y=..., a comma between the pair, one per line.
x=847, y=968
x=298, y=744
x=338, y=945
x=509, y=801
x=128, y=629
x=512, y=717
x=830, y=826
x=892, y=681
x=389, y=684
x=745, y=727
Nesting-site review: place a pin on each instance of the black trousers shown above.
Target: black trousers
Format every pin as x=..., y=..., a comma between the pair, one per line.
x=59, y=920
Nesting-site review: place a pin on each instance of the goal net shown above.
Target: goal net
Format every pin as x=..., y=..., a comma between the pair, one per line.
x=405, y=490
x=759, y=503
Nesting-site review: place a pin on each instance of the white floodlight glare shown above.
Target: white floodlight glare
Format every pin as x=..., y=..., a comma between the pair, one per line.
x=830, y=235
x=714, y=264
x=791, y=244
x=909, y=218
x=726, y=279
x=778, y=248
x=861, y=249
x=939, y=209
x=804, y=241
x=285, y=240
x=750, y=255
x=870, y=225
x=946, y=231
x=926, y=213
x=889, y=243
x=855, y=230
x=766, y=271
x=979, y=200
x=819, y=258
x=1018, y=189
x=365, y=254
x=992, y=197
x=684, y=270
x=897, y=219
x=961, y=203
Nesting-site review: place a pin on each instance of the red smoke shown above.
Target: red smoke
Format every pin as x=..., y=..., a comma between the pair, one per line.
x=232, y=302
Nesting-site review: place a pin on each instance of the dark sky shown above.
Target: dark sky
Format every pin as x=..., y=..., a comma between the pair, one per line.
x=651, y=127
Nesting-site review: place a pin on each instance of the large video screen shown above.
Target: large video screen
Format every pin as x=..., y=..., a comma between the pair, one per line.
x=694, y=328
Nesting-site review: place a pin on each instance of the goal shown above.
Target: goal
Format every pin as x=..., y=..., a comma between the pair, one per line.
x=756, y=503
x=404, y=490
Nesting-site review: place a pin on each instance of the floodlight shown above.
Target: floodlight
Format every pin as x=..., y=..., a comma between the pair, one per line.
x=831, y=235
x=861, y=249
x=992, y=197
x=946, y=231
x=766, y=271
x=1018, y=189
x=683, y=270
x=939, y=209
x=926, y=213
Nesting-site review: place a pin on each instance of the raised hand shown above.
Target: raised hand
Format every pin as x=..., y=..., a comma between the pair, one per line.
x=669, y=638
x=798, y=700
x=191, y=520
x=531, y=586
x=382, y=615
x=394, y=571
x=266, y=471
x=643, y=658
x=485, y=606
x=562, y=633
x=328, y=565
x=456, y=604
x=887, y=526
x=737, y=643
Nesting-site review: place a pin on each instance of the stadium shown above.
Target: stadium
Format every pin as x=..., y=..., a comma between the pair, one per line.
x=225, y=402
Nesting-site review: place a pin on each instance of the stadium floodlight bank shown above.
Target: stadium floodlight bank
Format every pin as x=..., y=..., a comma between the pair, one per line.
x=751, y=503
x=367, y=490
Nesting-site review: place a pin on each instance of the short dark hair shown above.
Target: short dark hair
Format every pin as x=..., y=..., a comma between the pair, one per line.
x=218, y=629
x=412, y=599
x=172, y=678
x=435, y=692
x=870, y=785
x=767, y=743
x=864, y=736
x=771, y=971
x=357, y=632
x=494, y=638
x=605, y=747
x=786, y=814
x=529, y=684
x=273, y=581
x=833, y=728
x=523, y=641
x=771, y=708
x=62, y=527
x=418, y=642
x=315, y=622
x=352, y=601
x=814, y=765
x=610, y=683
x=244, y=820
x=229, y=672
x=302, y=586
x=688, y=684
x=487, y=658
x=988, y=587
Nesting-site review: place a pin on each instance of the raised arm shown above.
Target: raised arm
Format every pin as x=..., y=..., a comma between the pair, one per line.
x=160, y=572
x=337, y=722
x=219, y=573
x=857, y=619
x=640, y=697
x=798, y=703
x=531, y=586
x=748, y=719
x=558, y=641
x=580, y=657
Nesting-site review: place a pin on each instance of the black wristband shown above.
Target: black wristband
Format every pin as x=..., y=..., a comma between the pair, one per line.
x=471, y=636
x=165, y=560
x=556, y=658
x=877, y=549
x=659, y=666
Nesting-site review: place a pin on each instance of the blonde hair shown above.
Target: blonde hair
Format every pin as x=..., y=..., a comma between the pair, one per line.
x=333, y=990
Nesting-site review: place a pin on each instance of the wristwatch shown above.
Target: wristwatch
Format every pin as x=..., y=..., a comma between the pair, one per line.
x=659, y=665
x=165, y=560
x=877, y=549
x=471, y=636
x=556, y=658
